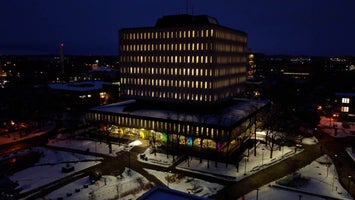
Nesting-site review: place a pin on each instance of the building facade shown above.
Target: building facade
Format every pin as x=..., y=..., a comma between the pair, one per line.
x=179, y=80
x=182, y=59
x=345, y=106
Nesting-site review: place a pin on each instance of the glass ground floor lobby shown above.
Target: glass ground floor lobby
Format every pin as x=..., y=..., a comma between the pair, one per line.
x=177, y=131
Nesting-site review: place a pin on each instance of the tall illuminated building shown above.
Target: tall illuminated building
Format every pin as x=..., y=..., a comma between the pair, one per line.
x=182, y=62
x=182, y=59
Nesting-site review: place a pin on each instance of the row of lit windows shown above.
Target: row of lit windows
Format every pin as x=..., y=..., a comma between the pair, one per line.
x=173, y=95
x=174, y=71
x=167, y=59
x=229, y=48
x=230, y=59
x=185, y=34
x=167, y=71
x=172, y=47
x=169, y=34
x=344, y=109
x=345, y=100
x=157, y=125
x=183, y=83
x=231, y=36
x=168, y=83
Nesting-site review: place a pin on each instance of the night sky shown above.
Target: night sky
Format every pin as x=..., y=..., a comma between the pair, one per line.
x=90, y=27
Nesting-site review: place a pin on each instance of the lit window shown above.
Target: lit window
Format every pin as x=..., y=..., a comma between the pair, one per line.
x=345, y=100
x=344, y=109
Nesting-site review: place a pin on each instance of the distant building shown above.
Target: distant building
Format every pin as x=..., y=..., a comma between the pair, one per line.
x=180, y=80
x=82, y=95
x=345, y=106
x=183, y=59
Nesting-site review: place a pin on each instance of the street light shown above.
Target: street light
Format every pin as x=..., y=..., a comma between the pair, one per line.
x=245, y=165
x=262, y=157
x=168, y=178
x=349, y=182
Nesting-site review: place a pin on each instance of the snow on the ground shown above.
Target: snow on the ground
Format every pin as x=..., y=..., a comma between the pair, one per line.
x=309, y=140
x=328, y=125
x=51, y=162
x=186, y=184
x=317, y=180
x=322, y=177
x=130, y=185
x=87, y=145
x=156, y=158
x=249, y=164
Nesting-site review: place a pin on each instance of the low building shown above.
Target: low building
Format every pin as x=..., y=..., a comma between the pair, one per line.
x=83, y=94
x=221, y=129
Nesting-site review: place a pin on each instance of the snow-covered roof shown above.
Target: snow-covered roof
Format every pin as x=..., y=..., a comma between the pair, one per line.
x=79, y=86
x=228, y=115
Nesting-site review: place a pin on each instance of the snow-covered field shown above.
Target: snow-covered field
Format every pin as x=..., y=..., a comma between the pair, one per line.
x=87, y=145
x=317, y=180
x=186, y=184
x=49, y=167
x=130, y=185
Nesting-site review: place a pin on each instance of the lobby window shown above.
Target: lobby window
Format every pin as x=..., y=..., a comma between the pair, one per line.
x=344, y=109
x=345, y=100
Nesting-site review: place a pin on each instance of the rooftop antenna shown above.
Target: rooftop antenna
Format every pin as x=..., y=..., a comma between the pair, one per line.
x=61, y=46
x=187, y=6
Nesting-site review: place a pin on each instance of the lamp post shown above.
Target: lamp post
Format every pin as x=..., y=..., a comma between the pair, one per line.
x=245, y=165
x=262, y=157
x=349, y=182
x=168, y=179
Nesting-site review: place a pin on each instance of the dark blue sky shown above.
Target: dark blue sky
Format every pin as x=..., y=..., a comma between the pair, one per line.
x=302, y=27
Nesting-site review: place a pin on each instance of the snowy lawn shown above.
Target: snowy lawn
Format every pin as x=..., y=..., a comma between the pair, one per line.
x=87, y=145
x=317, y=180
x=130, y=185
x=186, y=184
x=249, y=165
x=49, y=168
